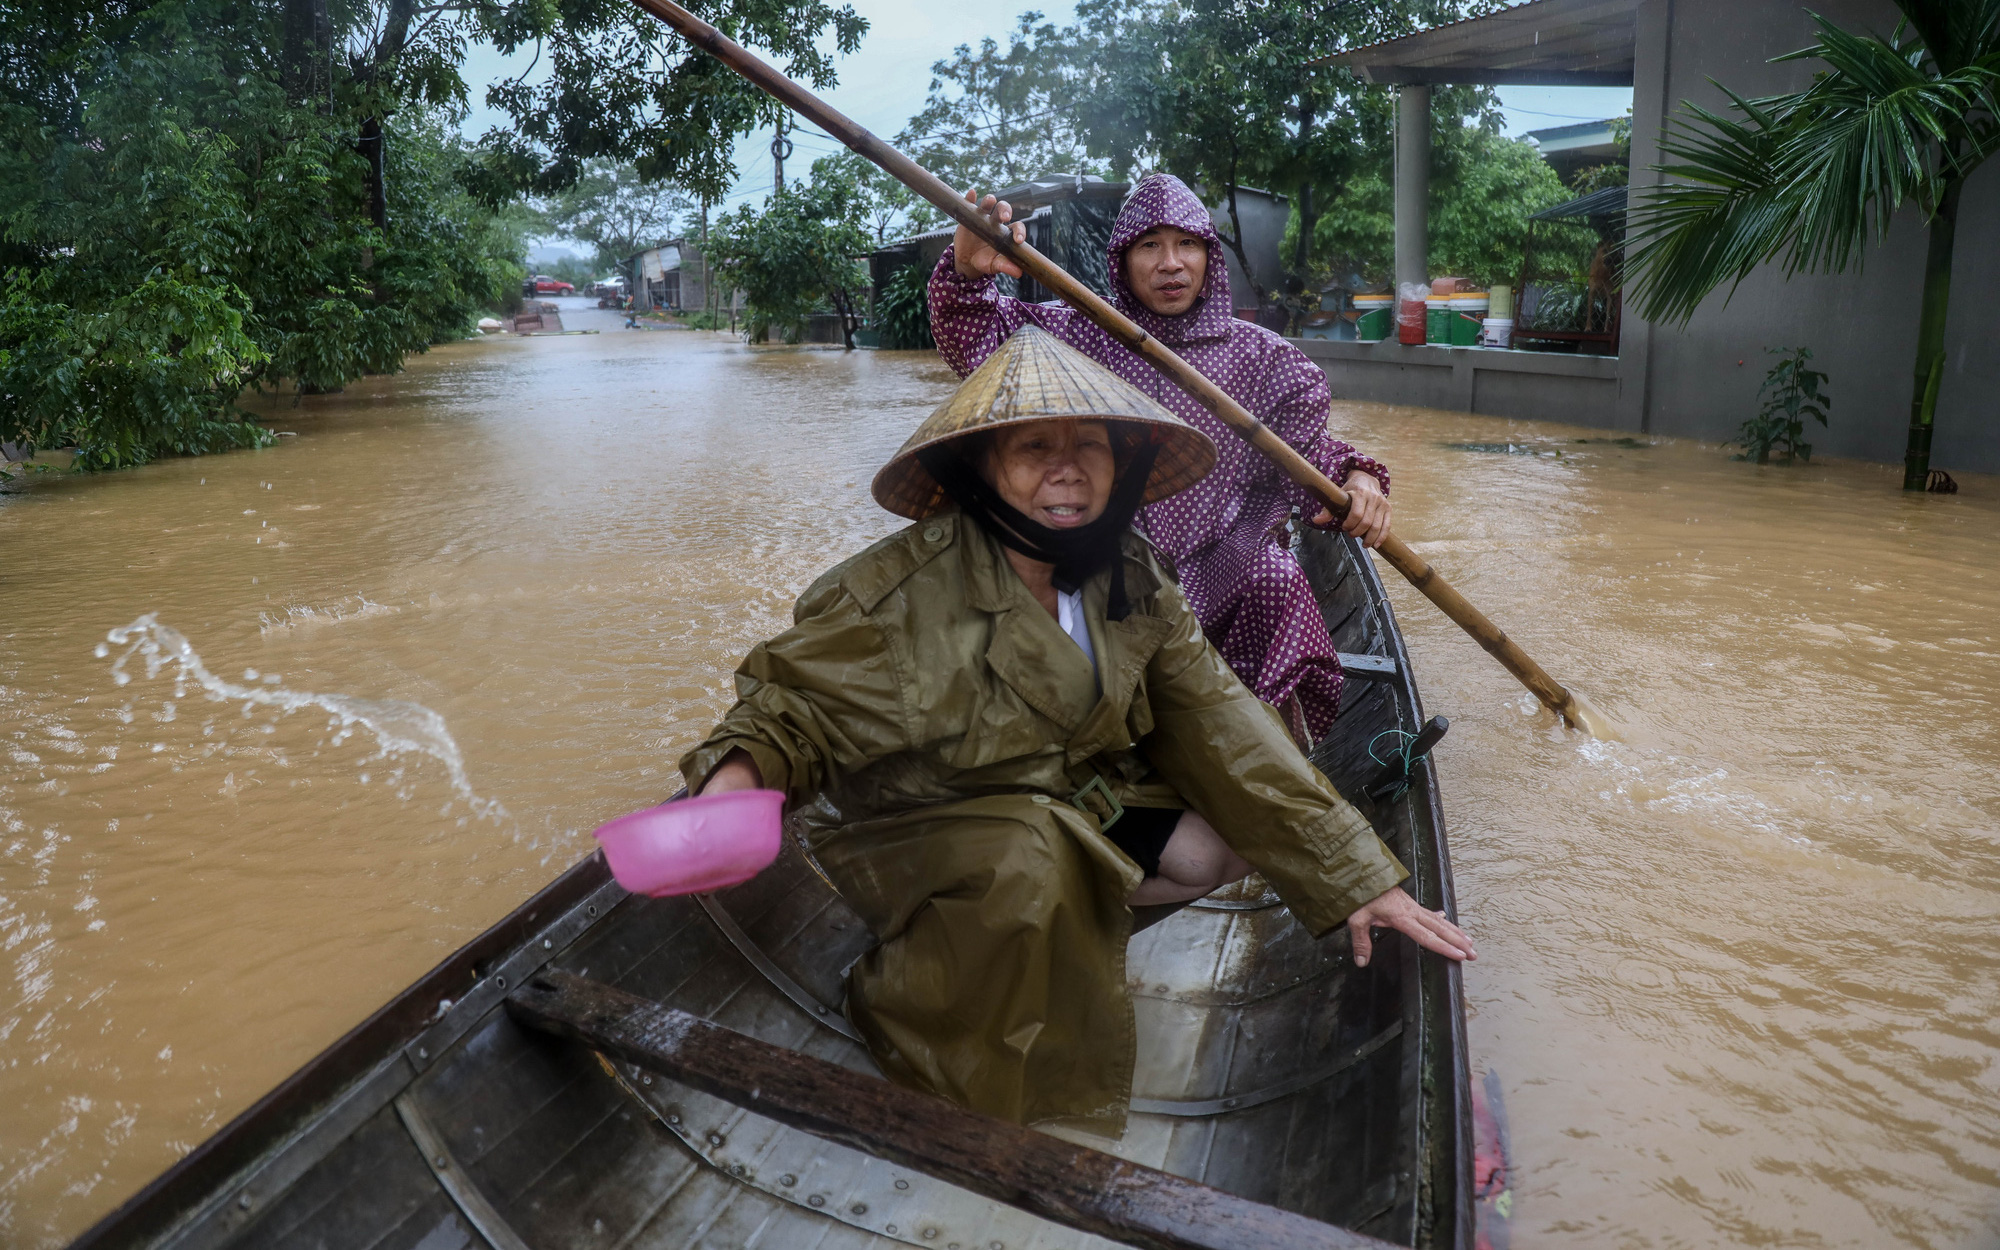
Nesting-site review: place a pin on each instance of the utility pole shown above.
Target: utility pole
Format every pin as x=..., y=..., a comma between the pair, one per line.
x=1413, y=184
x=781, y=147
x=707, y=275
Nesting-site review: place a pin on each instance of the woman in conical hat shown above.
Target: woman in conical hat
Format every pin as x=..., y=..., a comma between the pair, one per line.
x=1004, y=729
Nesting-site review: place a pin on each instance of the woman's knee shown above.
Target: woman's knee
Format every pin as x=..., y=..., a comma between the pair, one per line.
x=1197, y=855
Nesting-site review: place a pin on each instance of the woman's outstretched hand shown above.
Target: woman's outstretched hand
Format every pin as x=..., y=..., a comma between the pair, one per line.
x=976, y=258
x=1394, y=909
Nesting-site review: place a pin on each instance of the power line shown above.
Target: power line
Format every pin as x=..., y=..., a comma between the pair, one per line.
x=1575, y=117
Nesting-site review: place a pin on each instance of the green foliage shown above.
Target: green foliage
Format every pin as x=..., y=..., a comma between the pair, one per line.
x=1805, y=179
x=1224, y=94
x=887, y=208
x=622, y=86
x=902, y=310
x=1483, y=187
x=202, y=195
x=798, y=256
x=174, y=229
x=995, y=118
x=1613, y=173
x=615, y=211
x=705, y=321
x=1791, y=393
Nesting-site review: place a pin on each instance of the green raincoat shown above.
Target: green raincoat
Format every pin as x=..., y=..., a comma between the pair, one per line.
x=950, y=729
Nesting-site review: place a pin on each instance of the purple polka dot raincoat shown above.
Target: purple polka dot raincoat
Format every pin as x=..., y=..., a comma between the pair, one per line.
x=1247, y=589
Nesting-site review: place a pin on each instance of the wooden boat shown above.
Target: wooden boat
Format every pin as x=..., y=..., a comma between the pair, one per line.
x=1281, y=1095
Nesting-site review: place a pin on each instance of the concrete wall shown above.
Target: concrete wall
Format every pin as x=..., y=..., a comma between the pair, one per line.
x=1264, y=218
x=1580, y=390
x=1862, y=325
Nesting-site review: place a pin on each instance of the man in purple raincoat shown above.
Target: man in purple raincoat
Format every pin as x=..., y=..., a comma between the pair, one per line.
x=1168, y=275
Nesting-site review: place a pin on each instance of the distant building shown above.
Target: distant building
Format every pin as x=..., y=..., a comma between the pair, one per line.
x=1568, y=149
x=1698, y=380
x=673, y=277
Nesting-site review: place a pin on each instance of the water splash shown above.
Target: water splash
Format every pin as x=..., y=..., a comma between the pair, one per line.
x=302, y=616
x=399, y=727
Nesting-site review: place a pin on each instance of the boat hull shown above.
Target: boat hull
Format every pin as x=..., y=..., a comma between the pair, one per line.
x=1269, y=1066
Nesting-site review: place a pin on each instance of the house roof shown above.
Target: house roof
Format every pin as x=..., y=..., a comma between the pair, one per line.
x=1610, y=202
x=1049, y=188
x=1563, y=43
x=1569, y=138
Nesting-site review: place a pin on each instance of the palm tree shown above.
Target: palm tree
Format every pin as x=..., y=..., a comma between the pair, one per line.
x=1806, y=178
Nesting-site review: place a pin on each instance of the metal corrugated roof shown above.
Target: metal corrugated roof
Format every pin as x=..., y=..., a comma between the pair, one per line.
x=1563, y=43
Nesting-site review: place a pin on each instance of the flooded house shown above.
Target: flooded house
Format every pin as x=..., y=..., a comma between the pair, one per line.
x=1698, y=380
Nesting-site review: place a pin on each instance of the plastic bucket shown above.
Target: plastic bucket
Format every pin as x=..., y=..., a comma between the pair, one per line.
x=1498, y=332
x=692, y=846
x=1437, y=320
x=1467, y=311
x=1410, y=315
x=1376, y=318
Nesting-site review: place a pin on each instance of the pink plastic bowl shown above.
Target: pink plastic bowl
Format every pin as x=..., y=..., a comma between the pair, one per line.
x=691, y=846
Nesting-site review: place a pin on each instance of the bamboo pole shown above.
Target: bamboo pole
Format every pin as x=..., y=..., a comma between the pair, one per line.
x=1078, y=296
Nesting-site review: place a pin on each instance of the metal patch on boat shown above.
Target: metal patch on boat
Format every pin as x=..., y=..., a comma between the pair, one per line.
x=455, y=1019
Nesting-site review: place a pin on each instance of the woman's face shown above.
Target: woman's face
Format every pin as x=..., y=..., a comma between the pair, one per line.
x=1056, y=472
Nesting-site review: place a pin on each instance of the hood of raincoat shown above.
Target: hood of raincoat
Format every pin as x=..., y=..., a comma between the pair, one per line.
x=1164, y=200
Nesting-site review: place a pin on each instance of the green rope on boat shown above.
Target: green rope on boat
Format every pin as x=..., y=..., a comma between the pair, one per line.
x=1399, y=753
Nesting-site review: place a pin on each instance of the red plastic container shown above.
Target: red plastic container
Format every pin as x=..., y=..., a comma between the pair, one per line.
x=1410, y=315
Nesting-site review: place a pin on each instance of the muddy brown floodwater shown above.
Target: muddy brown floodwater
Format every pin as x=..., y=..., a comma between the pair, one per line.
x=282, y=728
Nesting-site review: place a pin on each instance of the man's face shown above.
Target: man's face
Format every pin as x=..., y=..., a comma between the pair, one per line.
x=1165, y=267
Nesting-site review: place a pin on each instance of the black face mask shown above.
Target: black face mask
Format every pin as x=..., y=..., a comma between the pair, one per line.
x=1076, y=553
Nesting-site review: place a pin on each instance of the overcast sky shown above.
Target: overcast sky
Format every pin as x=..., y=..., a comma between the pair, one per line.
x=885, y=82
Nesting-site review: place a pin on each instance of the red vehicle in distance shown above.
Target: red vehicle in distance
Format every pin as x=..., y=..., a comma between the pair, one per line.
x=545, y=285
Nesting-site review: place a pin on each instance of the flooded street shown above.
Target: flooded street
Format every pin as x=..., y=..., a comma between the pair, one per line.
x=282, y=728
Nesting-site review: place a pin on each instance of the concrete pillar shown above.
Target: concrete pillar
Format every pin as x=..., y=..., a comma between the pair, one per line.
x=1413, y=183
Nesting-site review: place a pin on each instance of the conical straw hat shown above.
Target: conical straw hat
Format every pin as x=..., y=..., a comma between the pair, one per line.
x=1037, y=377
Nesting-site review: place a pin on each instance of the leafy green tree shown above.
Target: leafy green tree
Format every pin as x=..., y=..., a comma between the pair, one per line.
x=201, y=195
x=1483, y=188
x=799, y=255
x=174, y=228
x=615, y=211
x=624, y=87
x=995, y=117
x=1224, y=93
x=888, y=209
x=1806, y=178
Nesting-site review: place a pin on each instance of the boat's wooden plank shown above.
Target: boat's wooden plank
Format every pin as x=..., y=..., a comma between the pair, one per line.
x=449, y=1172
x=524, y=1119
x=1230, y=958
x=715, y=1213
x=573, y=1161
x=814, y=1007
x=1368, y=667
x=373, y=1191
x=1083, y=1188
